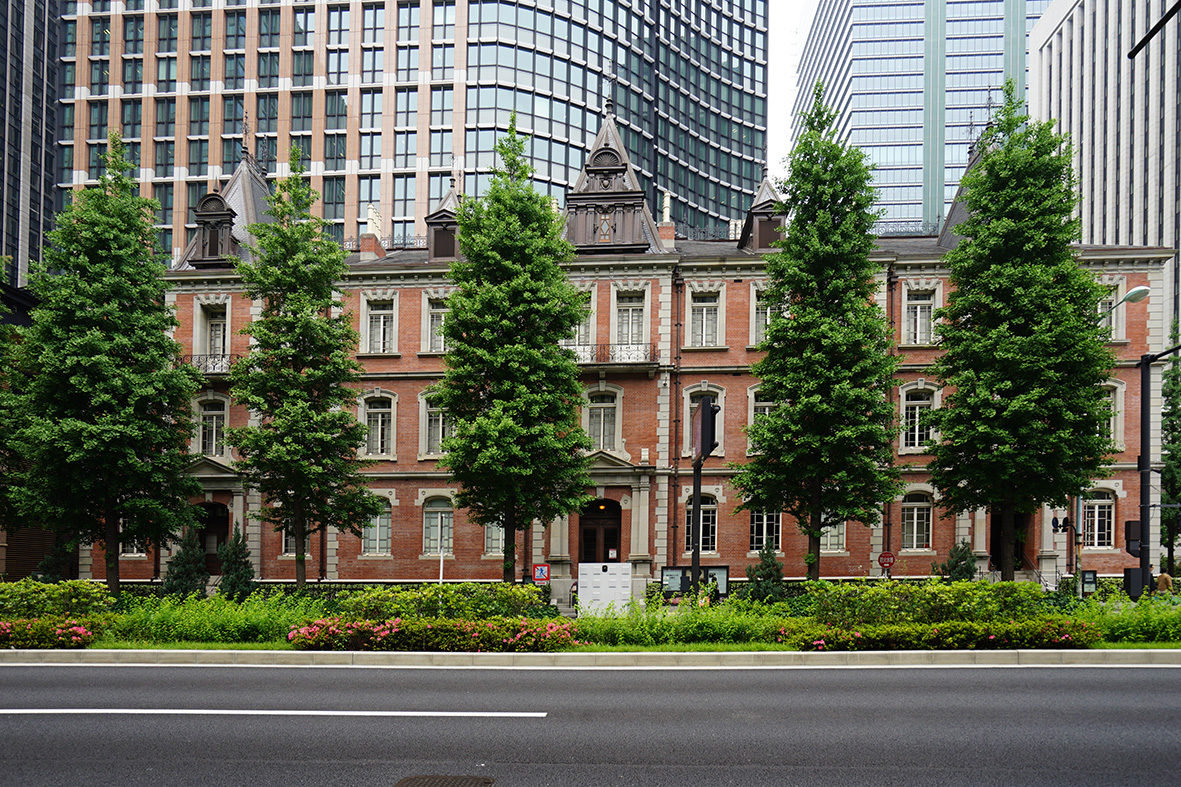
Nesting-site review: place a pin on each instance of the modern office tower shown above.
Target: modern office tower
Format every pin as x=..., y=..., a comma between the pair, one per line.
x=387, y=101
x=1123, y=116
x=913, y=83
x=28, y=133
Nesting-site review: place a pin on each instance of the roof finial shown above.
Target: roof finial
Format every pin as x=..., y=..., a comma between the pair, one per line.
x=609, y=99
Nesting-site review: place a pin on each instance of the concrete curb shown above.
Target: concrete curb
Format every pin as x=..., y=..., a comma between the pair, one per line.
x=695, y=660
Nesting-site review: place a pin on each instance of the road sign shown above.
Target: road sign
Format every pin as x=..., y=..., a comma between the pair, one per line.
x=886, y=559
x=541, y=572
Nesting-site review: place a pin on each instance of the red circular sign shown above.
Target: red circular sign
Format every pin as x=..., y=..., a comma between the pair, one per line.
x=886, y=559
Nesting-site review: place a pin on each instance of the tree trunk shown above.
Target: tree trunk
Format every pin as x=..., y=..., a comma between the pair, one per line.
x=1008, y=540
x=510, y=546
x=527, y=554
x=111, y=551
x=814, y=535
x=299, y=531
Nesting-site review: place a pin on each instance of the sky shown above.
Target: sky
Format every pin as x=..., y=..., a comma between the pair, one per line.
x=788, y=21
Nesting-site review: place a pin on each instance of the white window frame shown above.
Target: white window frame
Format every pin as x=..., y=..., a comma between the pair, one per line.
x=719, y=395
x=760, y=313
x=582, y=342
x=627, y=289
x=196, y=445
x=493, y=541
x=760, y=522
x=371, y=300
x=425, y=414
x=391, y=443
x=1099, y=504
x=754, y=406
x=603, y=387
x=708, y=536
x=129, y=548
x=289, y=544
x=432, y=509
x=832, y=538
x=1117, y=318
x=433, y=342
x=907, y=434
x=694, y=339
x=910, y=522
x=378, y=538
x=933, y=287
x=210, y=310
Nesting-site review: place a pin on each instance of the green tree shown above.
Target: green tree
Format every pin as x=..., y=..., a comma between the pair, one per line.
x=100, y=404
x=187, y=574
x=765, y=578
x=824, y=454
x=1170, y=518
x=1023, y=417
x=237, y=572
x=302, y=454
x=960, y=564
x=510, y=391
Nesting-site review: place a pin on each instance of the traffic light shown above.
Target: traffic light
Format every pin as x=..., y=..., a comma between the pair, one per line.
x=1132, y=537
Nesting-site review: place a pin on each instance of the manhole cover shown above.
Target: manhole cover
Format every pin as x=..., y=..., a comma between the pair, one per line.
x=444, y=781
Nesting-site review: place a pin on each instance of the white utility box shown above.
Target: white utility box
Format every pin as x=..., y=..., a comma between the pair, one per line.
x=600, y=584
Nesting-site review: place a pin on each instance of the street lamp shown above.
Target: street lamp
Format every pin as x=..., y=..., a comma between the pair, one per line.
x=1143, y=463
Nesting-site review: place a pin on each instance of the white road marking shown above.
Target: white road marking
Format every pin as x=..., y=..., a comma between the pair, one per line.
x=263, y=712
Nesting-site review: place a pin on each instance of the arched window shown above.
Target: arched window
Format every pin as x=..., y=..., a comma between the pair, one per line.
x=379, y=419
x=601, y=421
x=1099, y=519
x=213, y=424
x=917, y=510
x=709, y=524
x=376, y=539
x=917, y=402
x=437, y=526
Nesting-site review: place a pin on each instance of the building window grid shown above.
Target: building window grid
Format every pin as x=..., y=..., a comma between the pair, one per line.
x=379, y=421
x=708, y=538
x=438, y=525
x=703, y=319
x=376, y=538
x=916, y=522
x=920, y=306
x=213, y=423
x=602, y=413
x=764, y=527
x=382, y=327
x=916, y=403
x=1099, y=520
x=438, y=429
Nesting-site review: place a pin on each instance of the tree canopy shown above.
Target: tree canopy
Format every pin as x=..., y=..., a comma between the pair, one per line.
x=302, y=453
x=100, y=409
x=510, y=391
x=1024, y=415
x=824, y=453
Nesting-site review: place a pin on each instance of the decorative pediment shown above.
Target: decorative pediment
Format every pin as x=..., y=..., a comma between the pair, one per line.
x=212, y=467
x=603, y=460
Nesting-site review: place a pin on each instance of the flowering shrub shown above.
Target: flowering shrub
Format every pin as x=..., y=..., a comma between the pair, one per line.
x=46, y=633
x=29, y=598
x=519, y=635
x=1042, y=632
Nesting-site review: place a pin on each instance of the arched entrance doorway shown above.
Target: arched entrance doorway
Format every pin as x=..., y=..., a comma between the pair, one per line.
x=213, y=521
x=599, y=528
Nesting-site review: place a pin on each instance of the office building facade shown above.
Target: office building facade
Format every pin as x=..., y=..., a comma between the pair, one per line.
x=913, y=83
x=1123, y=116
x=28, y=133
x=388, y=101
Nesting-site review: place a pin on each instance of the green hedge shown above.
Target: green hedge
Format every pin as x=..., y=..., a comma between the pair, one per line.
x=216, y=619
x=736, y=621
x=31, y=599
x=1154, y=618
x=1042, y=632
x=467, y=600
x=435, y=634
x=47, y=633
x=852, y=604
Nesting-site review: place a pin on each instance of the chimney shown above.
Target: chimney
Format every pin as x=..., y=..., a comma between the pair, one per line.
x=371, y=247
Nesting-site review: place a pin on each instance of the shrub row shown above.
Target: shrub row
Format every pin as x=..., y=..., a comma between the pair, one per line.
x=467, y=600
x=46, y=633
x=216, y=619
x=878, y=603
x=29, y=598
x=732, y=622
x=1042, y=632
x=1155, y=618
x=435, y=634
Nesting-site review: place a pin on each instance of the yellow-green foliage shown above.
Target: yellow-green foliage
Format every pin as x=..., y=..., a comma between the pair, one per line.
x=466, y=600
x=1155, y=618
x=657, y=625
x=1039, y=632
x=31, y=599
x=215, y=619
x=874, y=603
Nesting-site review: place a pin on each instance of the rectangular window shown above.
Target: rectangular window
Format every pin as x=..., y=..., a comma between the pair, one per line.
x=335, y=151
x=198, y=157
x=333, y=198
x=408, y=21
x=703, y=319
x=406, y=69
x=165, y=117
x=403, y=196
x=166, y=37
x=335, y=110
x=764, y=528
x=338, y=66
x=405, y=106
x=916, y=522
x=289, y=544
x=601, y=420
x=371, y=109
x=370, y=157
x=832, y=538
x=376, y=540
x=213, y=424
x=133, y=75
x=198, y=116
x=1099, y=520
x=444, y=22
x=442, y=61
x=442, y=101
x=202, y=32
x=234, y=113
x=368, y=193
x=437, y=527
x=405, y=148
x=231, y=153
x=133, y=35
x=269, y=30
x=100, y=36
x=373, y=24
x=438, y=429
x=436, y=314
x=919, y=309
x=69, y=38
x=372, y=66
x=338, y=26
x=100, y=76
x=235, y=76
x=441, y=154
x=709, y=525
x=98, y=120
x=304, y=30
x=381, y=327
x=132, y=117
x=200, y=68
x=301, y=111
x=379, y=411
x=268, y=69
x=236, y=30
x=163, y=192
x=268, y=113
x=493, y=540
x=303, y=68
x=98, y=161
x=165, y=161
x=762, y=318
x=629, y=318
x=165, y=74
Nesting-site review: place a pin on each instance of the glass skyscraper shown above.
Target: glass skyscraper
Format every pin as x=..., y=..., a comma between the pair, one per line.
x=913, y=84
x=387, y=101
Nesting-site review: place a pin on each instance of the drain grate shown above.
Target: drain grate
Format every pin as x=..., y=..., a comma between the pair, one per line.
x=444, y=781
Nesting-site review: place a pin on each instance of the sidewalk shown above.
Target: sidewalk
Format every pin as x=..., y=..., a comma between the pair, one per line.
x=727, y=660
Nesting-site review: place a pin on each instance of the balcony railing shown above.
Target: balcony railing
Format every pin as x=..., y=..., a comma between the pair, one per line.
x=615, y=353
x=212, y=364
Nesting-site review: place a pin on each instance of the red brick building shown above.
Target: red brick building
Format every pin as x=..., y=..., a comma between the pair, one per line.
x=671, y=320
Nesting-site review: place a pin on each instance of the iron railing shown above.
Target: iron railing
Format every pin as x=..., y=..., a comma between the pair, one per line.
x=212, y=364
x=614, y=353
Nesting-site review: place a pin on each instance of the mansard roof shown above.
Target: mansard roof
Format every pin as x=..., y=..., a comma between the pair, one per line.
x=763, y=220
x=245, y=199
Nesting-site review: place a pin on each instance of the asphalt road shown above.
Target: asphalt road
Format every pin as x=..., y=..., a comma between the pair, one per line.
x=362, y=726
